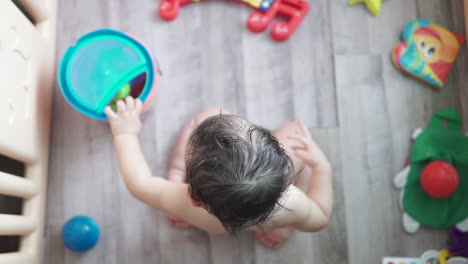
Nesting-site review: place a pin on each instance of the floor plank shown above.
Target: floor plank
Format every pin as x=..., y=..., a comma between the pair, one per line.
x=312, y=69
x=460, y=71
x=369, y=202
x=267, y=77
x=374, y=153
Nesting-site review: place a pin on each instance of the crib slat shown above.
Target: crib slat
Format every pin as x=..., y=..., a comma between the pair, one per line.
x=16, y=186
x=17, y=258
x=16, y=225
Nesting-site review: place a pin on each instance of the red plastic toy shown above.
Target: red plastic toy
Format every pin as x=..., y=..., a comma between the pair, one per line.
x=439, y=179
x=293, y=11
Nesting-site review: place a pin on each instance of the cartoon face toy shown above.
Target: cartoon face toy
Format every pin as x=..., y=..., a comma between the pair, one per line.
x=435, y=44
x=427, y=52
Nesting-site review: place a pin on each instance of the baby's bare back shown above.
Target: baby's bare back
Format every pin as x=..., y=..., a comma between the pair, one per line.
x=292, y=197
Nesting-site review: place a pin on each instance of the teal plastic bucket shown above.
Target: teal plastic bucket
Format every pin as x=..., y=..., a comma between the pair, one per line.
x=101, y=63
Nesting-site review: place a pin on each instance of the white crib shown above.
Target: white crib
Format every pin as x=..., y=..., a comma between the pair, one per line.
x=26, y=79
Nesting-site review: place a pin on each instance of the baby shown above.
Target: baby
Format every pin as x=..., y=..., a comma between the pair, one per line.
x=229, y=175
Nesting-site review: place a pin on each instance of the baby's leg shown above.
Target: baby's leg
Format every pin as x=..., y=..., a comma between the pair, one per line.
x=276, y=237
x=177, y=166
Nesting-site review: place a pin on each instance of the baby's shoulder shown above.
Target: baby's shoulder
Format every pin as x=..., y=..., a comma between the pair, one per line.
x=290, y=209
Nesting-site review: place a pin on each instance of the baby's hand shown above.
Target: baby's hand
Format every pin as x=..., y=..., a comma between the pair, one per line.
x=127, y=119
x=307, y=149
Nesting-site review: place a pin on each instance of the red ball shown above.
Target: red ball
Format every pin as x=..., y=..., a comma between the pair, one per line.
x=440, y=179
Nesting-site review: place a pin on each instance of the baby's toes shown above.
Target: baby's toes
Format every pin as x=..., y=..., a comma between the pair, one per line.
x=267, y=242
x=170, y=221
x=270, y=243
x=173, y=221
x=182, y=224
x=270, y=240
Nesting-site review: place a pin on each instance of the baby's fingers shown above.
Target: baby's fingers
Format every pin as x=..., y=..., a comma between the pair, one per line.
x=306, y=157
x=304, y=129
x=110, y=113
x=302, y=154
x=121, y=107
x=138, y=105
x=130, y=103
x=301, y=140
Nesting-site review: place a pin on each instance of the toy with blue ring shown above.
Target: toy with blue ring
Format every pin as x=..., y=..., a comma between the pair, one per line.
x=100, y=69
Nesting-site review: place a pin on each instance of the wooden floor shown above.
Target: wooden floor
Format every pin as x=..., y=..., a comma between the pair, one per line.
x=335, y=74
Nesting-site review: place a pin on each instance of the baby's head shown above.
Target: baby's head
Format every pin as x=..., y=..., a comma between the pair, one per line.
x=237, y=171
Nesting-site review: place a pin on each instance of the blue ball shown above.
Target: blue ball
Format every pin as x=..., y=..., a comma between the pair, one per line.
x=80, y=234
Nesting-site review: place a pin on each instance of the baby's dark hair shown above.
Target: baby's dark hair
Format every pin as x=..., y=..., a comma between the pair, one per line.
x=237, y=171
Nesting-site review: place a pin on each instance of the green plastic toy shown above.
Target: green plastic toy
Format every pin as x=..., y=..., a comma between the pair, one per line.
x=121, y=95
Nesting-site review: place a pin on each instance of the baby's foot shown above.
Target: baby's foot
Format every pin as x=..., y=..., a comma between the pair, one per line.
x=275, y=238
x=173, y=221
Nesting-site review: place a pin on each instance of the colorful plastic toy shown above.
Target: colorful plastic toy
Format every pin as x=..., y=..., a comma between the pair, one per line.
x=80, y=234
x=293, y=11
x=435, y=183
x=93, y=73
x=427, y=52
x=429, y=257
x=398, y=260
x=372, y=5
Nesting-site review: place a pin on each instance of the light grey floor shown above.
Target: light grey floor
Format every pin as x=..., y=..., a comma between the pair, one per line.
x=335, y=74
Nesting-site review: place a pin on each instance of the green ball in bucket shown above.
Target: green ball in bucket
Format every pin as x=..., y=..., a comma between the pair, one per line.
x=106, y=66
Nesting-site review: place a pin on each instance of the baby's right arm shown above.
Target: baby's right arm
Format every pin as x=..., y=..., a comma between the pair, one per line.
x=157, y=192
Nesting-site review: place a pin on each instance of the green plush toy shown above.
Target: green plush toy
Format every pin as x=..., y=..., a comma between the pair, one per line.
x=435, y=183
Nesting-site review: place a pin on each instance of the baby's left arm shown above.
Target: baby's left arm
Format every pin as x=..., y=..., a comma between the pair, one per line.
x=319, y=206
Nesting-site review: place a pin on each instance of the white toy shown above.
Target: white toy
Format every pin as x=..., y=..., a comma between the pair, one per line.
x=429, y=257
